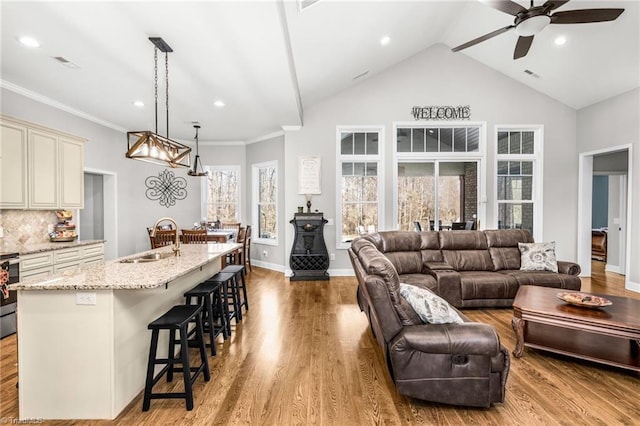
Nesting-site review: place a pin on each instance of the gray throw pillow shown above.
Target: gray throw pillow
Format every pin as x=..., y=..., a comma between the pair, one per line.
x=538, y=257
x=430, y=308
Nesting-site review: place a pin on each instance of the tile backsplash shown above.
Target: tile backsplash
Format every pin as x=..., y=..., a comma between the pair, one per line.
x=26, y=226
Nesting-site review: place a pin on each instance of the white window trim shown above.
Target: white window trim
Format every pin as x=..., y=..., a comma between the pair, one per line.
x=480, y=156
x=203, y=190
x=538, y=177
x=379, y=159
x=255, y=193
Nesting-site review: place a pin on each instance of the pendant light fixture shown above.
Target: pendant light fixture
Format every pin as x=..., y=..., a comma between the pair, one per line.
x=150, y=146
x=197, y=164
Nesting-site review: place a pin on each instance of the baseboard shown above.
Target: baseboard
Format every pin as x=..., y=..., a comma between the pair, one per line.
x=341, y=272
x=613, y=268
x=633, y=286
x=267, y=265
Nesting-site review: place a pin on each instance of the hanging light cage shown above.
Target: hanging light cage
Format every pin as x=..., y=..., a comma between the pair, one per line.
x=197, y=164
x=150, y=146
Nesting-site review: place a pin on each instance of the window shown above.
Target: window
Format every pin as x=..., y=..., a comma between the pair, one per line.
x=221, y=194
x=359, y=176
x=518, y=179
x=439, y=174
x=265, y=200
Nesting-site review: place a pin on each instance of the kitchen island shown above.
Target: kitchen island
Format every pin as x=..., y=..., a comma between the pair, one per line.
x=83, y=341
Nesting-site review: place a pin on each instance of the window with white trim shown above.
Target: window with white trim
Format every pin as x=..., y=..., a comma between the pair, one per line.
x=519, y=178
x=221, y=194
x=265, y=202
x=439, y=175
x=361, y=182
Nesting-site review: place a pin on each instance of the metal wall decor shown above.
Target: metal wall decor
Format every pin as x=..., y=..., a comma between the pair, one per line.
x=441, y=112
x=166, y=187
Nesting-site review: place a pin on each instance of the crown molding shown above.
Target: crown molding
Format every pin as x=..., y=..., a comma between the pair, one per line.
x=266, y=137
x=58, y=105
x=294, y=128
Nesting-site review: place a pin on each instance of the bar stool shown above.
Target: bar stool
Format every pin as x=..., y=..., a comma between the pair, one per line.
x=240, y=273
x=229, y=291
x=209, y=296
x=176, y=319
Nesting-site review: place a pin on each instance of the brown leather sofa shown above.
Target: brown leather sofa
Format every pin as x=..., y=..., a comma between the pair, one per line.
x=469, y=269
x=460, y=364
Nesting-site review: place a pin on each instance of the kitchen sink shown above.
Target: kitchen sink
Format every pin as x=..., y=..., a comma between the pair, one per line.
x=153, y=257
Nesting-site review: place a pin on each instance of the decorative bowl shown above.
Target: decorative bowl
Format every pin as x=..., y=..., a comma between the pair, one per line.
x=584, y=300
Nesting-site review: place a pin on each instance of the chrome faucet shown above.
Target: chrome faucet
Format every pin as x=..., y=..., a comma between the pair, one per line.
x=176, y=245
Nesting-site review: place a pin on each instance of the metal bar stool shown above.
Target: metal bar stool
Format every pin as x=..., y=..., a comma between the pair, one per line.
x=229, y=291
x=176, y=319
x=209, y=296
x=240, y=272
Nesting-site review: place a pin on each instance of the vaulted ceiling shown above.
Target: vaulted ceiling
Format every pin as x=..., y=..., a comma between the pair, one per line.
x=268, y=60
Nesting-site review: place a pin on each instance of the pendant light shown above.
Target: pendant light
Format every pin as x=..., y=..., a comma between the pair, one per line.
x=150, y=146
x=197, y=164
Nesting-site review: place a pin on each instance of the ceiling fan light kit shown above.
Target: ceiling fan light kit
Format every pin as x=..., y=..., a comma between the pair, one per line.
x=529, y=22
x=150, y=146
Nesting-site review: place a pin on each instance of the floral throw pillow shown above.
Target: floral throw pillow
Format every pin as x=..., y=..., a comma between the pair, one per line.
x=430, y=308
x=538, y=256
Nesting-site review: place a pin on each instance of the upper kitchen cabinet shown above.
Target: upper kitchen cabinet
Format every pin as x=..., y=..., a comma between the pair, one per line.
x=13, y=165
x=51, y=170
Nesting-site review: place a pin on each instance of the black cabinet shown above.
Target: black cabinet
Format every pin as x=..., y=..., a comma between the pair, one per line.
x=309, y=258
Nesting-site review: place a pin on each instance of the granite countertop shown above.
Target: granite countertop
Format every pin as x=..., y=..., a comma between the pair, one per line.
x=44, y=246
x=114, y=275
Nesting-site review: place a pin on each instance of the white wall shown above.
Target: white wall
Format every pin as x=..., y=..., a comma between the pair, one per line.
x=436, y=76
x=259, y=152
x=614, y=122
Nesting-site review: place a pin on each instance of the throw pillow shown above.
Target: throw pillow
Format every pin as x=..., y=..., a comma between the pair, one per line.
x=429, y=307
x=538, y=257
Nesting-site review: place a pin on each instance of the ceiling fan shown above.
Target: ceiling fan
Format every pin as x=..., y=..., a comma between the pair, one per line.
x=529, y=22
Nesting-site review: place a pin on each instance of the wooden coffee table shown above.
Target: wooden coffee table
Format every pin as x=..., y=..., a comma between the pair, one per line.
x=609, y=335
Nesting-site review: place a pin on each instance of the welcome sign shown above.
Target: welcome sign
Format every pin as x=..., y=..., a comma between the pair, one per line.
x=441, y=112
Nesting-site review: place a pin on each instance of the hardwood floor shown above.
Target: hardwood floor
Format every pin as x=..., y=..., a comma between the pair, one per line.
x=304, y=354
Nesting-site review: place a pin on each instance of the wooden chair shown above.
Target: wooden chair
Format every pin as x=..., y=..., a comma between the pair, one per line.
x=162, y=238
x=233, y=226
x=236, y=257
x=191, y=236
x=246, y=246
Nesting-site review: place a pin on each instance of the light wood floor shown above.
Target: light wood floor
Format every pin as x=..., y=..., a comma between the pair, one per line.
x=304, y=355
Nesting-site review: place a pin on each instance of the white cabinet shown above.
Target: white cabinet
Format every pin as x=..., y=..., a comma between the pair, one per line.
x=43, y=170
x=45, y=263
x=13, y=165
x=50, y=164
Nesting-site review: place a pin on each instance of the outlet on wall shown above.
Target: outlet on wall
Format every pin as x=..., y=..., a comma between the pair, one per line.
x=85, y=298
x=332, y=256
x=264, y=253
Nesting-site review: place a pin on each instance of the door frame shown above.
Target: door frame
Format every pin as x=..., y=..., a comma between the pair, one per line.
x=110, y=188
x=585, y=199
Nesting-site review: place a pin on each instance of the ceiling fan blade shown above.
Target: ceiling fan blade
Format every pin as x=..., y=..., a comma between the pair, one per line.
x=554, y=4
x=522, y=47
x=482, y=38
x=585, y=16
x=506, y=6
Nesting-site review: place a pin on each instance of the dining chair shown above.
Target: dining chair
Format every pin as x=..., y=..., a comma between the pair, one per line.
x=194, y=236
x=162, y=238
x=246, y=254
x=416, y=226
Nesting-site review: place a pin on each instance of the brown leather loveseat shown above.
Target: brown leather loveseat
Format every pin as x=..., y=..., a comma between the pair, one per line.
x=460, y=364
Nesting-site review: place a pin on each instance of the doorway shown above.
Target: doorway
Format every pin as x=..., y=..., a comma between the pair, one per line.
x=607, y=172
x=98, y=219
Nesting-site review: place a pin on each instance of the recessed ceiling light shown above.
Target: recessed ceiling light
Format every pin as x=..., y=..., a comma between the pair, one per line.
x=29, y=41
x=139, y=104
x=218, y=104
x=560, y=40
x=385, y=40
